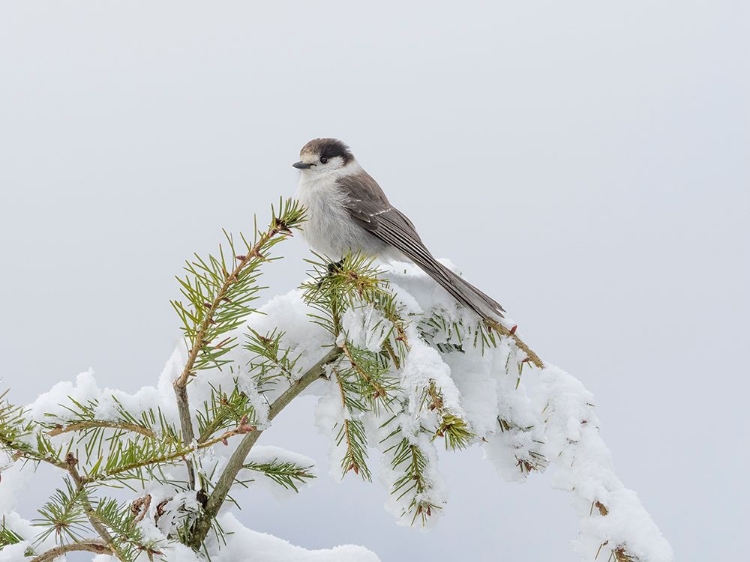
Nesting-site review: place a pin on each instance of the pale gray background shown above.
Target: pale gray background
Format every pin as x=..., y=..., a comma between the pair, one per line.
x=583, y=162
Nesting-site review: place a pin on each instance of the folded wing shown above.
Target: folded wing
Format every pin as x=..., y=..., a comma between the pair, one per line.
x=370, y=208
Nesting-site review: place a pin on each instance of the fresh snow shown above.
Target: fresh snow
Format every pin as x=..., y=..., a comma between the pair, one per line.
x=551, y=419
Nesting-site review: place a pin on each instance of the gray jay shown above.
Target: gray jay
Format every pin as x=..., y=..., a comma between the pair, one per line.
x=348, y=212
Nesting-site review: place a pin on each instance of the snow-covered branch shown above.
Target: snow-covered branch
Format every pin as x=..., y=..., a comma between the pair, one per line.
x=399, y=367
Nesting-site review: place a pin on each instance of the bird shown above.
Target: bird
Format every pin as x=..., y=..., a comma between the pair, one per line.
x=348, y=212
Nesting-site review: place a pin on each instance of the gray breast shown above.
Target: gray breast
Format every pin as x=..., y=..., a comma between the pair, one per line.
x=330, y=230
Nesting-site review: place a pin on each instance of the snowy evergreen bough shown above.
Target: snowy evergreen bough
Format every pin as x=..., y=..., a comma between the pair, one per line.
x=400, y=368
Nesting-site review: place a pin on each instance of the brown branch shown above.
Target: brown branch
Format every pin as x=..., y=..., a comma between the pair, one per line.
x=86, y=545
x=237, y=460
x=392, y=354
x=32, y=456
x=520, y=344
x=186, y=423
x=78, y=426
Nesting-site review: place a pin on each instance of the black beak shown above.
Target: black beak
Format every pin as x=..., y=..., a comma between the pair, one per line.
x=302, y=165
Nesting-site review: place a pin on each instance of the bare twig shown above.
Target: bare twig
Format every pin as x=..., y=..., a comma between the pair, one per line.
x=186, y=423
x=520, y=344
x=86, y=545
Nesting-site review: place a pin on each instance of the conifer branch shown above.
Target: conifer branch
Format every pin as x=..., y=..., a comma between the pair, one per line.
x=220, y=297
x=14, y=429
x=83, y=418
x=520, y=344
x=67, y=511
x=87, y=507
x=286, y=474
x=376, y=390
x=8, y=536
x=237, y=460
x=454, y=429
x=529, y=460
x=104, y=424
x=242, y=428
x=412, y=460
x=222, y=410
x=352, y=431
x=369, y=345
x=273, y=364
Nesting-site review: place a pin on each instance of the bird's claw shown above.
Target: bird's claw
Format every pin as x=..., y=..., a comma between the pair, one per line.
x=333, y=267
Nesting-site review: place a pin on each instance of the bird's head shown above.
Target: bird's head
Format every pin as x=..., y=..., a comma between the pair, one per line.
x=323, y=155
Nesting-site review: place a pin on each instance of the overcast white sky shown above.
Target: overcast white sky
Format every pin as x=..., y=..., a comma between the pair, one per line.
x=586, y=163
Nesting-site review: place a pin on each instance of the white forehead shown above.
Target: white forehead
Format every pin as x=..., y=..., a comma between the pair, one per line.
x=309, y=156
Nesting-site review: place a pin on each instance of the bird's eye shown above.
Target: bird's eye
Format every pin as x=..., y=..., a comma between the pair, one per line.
x=323, y=160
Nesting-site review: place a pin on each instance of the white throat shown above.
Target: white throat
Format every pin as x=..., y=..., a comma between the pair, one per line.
x=329, y=230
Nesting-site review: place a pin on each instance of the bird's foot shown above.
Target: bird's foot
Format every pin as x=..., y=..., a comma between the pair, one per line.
x=333, y=267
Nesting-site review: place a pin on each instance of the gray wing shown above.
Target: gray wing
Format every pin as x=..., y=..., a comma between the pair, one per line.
x=370, y=208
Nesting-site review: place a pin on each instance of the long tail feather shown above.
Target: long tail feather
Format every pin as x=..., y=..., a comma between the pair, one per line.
x=463, y=291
